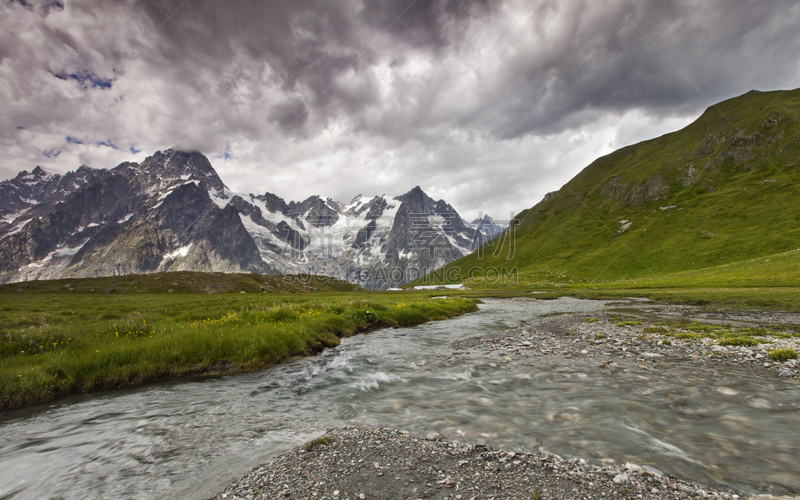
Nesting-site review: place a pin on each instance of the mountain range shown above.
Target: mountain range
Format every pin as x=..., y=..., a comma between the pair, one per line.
x=172, y=212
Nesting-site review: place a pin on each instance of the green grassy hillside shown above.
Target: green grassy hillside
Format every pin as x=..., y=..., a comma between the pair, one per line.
x=724, y=189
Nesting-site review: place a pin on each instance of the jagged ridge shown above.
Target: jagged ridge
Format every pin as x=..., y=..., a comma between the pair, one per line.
x=173, y=212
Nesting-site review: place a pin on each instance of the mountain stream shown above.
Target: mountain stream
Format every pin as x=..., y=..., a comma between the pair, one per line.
x=188, y=438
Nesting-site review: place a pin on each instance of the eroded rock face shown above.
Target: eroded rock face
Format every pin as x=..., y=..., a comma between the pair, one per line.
x=617, y=189
x=274, y=204
x=285, y=232
x=549, y=195
x=654, y=189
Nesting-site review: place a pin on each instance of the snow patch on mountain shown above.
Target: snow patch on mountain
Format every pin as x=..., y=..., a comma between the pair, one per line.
x=181, y=252
x=15, y=229
x=126, y=218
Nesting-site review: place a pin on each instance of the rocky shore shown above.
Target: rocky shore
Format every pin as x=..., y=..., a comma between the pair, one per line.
x=365, y=463
x=613, y=339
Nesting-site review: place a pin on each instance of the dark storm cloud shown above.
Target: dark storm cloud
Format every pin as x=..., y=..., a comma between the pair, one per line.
x=304, y=48
x=666, y=56
x=568, y=62
x=426, y=24
x=289, y=115
x=299, y=47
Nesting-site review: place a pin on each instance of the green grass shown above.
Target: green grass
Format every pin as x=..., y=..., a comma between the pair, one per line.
x=725, y=335
x=774, y=298
x=785, y=299
x=181, y=282
x=53, y=344
x=782, y=354
x=713, y=205
x=320, y=441
x=738, y=341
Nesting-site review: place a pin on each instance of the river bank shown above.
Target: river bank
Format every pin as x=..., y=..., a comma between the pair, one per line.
x=52, y=346
x=611, y=339
x=369, y=463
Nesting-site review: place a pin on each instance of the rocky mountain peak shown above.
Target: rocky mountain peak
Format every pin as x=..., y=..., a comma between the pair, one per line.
x=416, y=201
x=487, y=226
x=28, y=189
x=416, y=195
x=36, y=175
x=172, y=166
x=316, y=211
x=274, y=203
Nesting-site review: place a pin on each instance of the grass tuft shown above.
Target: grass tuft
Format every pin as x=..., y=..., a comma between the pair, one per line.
x=320, y=441
x=782, y=354
x=738, y=341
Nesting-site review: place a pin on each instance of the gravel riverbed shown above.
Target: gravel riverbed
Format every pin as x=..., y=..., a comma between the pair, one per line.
x=367, y=463
x=611, y=341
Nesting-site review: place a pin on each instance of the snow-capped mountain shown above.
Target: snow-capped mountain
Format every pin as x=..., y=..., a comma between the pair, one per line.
x=134, y=218
x=487, y=226
x=173, y=212
x=26, y=190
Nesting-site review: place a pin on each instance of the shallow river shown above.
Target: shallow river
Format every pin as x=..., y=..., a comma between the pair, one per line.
x=725, y=426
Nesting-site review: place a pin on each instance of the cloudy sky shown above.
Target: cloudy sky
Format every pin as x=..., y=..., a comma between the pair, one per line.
x=487, y=104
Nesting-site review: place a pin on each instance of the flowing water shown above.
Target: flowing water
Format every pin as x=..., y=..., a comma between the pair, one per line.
x=726, y=426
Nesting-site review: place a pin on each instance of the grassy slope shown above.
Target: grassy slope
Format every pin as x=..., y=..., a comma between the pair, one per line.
x=53, y=342
x=779, y=270
x=733, y=177
x=184, y=282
